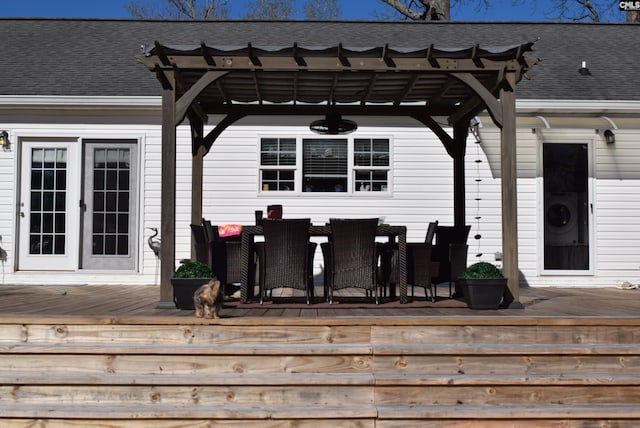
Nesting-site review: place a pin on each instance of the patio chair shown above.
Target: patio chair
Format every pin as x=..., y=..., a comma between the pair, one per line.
x=450, y=258
x=224, y=257
x=420, y=266
x=285, y=257
x=457, y=264
x=351, y=257
x=200, y=242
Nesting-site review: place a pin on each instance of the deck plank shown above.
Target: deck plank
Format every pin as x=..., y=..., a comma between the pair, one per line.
x=142, y=300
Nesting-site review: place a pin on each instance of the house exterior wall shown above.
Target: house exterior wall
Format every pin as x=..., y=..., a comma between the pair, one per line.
x=421, y=188
x=614, y=197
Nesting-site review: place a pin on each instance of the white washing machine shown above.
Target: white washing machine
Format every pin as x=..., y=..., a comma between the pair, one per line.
x=561, y=219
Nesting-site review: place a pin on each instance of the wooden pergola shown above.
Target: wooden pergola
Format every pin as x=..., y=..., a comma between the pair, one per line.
x=422, y=83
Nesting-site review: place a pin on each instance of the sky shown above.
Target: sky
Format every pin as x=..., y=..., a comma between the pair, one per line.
x=500, y=10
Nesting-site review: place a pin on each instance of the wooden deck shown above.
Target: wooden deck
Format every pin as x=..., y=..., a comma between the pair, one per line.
x=140, y=301
x=105, y=356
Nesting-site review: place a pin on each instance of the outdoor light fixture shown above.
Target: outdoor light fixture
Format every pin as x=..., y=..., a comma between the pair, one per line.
x=609, y=136
x=583, y=70
x=4, y=141
x=333, y=124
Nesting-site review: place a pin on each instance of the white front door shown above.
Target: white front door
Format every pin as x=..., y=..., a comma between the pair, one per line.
x=49, y=206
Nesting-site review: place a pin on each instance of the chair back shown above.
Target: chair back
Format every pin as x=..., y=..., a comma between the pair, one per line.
x=286, y=253
x=200, y=243
x=431, y=232
x=224, y=259
x=354, y=257
x=446, y=235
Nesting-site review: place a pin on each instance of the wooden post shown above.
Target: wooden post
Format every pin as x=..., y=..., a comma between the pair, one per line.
x=509, y=192
x=168, y=196
x=460, y=132
x=197, y=155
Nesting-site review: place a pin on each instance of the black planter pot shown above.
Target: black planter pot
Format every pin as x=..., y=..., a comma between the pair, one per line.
x=481, y=293
x=183, y=289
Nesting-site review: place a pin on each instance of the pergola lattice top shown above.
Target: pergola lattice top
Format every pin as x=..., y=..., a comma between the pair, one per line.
x=442, y=79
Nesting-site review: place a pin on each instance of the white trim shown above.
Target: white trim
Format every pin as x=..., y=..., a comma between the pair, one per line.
x=602, y=107
x=85, y=102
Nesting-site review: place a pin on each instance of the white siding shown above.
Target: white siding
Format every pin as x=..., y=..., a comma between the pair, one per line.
x=616, y=200
x=421, y=189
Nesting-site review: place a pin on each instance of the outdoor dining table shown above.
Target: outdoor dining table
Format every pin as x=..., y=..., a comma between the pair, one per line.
x=247, y=278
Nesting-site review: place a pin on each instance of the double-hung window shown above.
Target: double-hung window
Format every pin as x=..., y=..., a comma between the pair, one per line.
x=370, y=164
x=278, y=164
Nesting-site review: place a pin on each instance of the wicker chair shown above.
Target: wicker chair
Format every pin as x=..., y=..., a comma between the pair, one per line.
x=285, y=257
x=420, y=267
x=200, y=242
x=450, y=251
x=351, y=257
x=224, y=257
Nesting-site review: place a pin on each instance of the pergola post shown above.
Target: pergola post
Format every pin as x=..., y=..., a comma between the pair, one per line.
x=509, y=191
x=460, y=132
x=168, y=194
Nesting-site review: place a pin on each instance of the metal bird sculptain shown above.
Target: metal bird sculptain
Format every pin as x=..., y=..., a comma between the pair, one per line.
x=155, y=245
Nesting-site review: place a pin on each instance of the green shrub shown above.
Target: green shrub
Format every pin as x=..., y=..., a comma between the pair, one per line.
x=193, y=269
x=482, y=270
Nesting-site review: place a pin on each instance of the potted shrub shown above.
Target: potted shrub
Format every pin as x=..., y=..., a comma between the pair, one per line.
x=482, y=286
x=189, y=276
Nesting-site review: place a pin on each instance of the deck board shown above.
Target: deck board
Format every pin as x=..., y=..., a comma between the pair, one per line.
x=142, y=300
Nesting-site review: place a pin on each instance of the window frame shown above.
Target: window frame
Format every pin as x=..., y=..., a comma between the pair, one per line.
x=298, y=167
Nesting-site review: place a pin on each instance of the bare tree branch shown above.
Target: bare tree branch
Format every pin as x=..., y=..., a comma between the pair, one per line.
x=422, y=10
x=322, y=9
x=179, y=9
x=270, y=9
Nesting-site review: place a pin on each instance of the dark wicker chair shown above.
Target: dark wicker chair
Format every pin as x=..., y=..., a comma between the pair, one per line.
x=200, y=242
x=224, y=256
x=351, y=257
x=420, y=268
x=451, y=260
x=285, y=257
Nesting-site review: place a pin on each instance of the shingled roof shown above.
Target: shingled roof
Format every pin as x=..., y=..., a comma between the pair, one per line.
x=98, y=57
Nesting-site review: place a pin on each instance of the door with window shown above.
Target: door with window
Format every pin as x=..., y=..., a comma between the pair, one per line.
x=48, y=215
x=109, y=205
x=566, y=208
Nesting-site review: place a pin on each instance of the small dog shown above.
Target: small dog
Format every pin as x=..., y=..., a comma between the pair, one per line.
x=207, y=300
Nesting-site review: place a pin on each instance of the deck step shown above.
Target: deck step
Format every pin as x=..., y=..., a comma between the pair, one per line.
x=182, y=412
x=196, y=380
x=513, y=414
x=360, y=374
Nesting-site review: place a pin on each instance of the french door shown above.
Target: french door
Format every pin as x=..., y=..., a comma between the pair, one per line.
x=109, y=205
x=78, y=205
x=49, y=211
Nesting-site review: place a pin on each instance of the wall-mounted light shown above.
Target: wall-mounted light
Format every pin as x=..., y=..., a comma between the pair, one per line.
x=583, y=70
x=4, y=141
x=609, y=136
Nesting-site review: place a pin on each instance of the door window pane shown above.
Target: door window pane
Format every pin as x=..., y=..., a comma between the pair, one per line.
x=48, y=201
x=111, y=204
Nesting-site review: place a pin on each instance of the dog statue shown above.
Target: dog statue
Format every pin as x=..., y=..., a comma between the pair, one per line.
x=207, y=300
